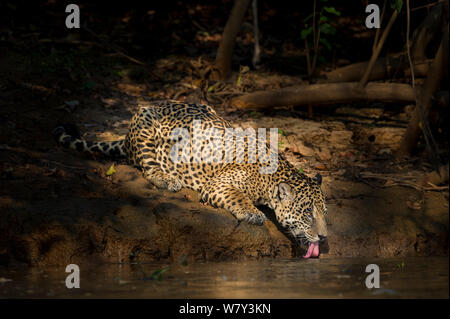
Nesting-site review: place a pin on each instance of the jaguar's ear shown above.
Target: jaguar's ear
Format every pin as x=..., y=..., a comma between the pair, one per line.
x=318, y=179
x=284, y=191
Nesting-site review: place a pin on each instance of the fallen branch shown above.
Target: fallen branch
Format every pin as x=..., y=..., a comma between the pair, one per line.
x=327, y=93
x=407, y=181
x=384, y=68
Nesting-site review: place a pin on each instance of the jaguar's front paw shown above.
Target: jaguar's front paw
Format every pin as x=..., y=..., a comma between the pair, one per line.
x=257, y=219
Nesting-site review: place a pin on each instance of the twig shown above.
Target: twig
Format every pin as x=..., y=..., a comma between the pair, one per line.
x=316, y=53
x=257, y=52
x=425, y=6
x=107, y=45
x=389, y=176
x=227, y=93
x=314, y=21
x=377, y=51
x=65, y=41
x=63, y=165
x=315, y=42
x=113, y=48
x=377, y=34
x=408, y=50
x=199, y=26
x=308, y=58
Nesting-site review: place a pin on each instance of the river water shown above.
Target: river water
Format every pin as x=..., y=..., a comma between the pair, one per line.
x=418, y=277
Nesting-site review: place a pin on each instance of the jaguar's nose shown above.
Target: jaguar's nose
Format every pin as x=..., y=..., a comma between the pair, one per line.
x=322, y=238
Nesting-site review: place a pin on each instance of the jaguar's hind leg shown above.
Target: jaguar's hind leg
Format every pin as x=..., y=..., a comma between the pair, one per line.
x=220, y=194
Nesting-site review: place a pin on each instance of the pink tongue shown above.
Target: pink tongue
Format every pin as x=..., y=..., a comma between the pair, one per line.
x=313, y=250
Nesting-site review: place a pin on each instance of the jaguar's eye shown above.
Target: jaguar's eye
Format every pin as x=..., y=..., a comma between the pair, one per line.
x=309, y=213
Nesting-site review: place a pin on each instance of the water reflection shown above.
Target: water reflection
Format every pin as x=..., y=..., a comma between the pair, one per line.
x=425, y=277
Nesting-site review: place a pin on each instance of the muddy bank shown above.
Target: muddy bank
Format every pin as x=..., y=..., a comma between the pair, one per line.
x=130, y=221
x=136, y=223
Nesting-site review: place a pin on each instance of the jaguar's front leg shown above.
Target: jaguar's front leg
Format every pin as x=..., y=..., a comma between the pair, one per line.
x=223, y=195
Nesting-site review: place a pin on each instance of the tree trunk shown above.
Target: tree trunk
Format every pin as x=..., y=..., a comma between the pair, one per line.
x=327, y=93
x=425, y=32
x=436, y=177
x=225, y=51
x=425, y=97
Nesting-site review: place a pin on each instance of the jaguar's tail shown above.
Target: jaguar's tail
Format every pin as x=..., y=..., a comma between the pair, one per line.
x=69, y=137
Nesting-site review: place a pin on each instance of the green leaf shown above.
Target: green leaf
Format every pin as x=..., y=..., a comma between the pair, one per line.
x=332, y=10
x=325, y=43
x=255, y=114
x=89, y=85
x=321, y=59
x=305, y=33
x=111, y=170
x=281, y=132
x=183, y=261
x=323, y=19
x=397, y=5
x=308, y=18
x=157, y=274
x=301, y=170
x=239, y=80
x=326, y=28
x=211, y=88
x=206, y=34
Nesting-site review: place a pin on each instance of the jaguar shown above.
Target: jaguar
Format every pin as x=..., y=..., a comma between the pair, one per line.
x=235, y=185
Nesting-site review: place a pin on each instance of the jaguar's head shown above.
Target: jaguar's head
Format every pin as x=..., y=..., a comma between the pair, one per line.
x=300, y=208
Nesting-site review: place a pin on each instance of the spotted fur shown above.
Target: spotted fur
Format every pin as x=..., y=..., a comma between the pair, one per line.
x=297, y=199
